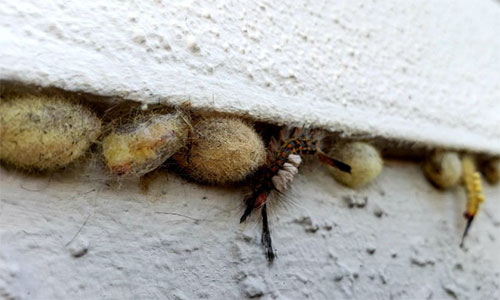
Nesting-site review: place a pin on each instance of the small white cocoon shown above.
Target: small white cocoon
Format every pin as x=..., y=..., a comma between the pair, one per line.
x=364, y=159
x=443, y=168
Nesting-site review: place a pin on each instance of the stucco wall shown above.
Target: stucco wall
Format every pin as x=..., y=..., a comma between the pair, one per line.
x=411, y=70
x=183, y=241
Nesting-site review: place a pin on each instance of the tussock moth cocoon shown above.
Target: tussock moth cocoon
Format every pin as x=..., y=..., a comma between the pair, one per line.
x=222, y=150
x=144, y=142
x=45, y=132
x=443, y=168
x=364, y=159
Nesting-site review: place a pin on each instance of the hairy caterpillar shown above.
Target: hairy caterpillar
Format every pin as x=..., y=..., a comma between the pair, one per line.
x=40, y=132
x=282, y=164
x=474, y=190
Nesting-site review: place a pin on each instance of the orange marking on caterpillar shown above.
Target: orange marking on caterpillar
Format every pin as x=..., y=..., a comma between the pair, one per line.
x=277, y=174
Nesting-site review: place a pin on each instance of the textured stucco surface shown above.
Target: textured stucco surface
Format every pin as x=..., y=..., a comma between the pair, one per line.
x=183, y=241
x=425, y=71
x=418, y=70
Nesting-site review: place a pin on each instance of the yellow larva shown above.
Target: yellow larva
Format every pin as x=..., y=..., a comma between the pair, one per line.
x=143, y=143
x=473, y=187
x=364, y=159
x=474, y=190
x=44, y=133
x=491, y=170
x=222, y=150
x=443, y=168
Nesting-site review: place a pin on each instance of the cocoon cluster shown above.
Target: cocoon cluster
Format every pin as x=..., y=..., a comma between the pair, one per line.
x=364, y=159
x=144, y=142
x=222, y=150
x=44, y=133
x=491, y=170
x=443, y=168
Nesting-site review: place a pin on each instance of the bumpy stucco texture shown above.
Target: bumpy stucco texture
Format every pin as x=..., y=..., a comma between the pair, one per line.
x=68, y=236
x=417, y=70
x=423, y=71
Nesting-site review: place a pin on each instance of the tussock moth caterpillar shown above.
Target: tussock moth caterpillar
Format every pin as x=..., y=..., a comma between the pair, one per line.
x=282, y=165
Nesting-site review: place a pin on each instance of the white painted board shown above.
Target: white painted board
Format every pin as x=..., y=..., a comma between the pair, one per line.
x=421, y=71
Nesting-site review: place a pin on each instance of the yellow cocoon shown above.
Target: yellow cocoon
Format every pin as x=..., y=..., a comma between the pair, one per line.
x=222, y=150
x=365, y=161
x=144, y=143
x=443, y=168
x=44, y=133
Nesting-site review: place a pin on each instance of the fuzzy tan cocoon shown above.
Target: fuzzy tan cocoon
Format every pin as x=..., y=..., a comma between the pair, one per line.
x=443, y=168
x=222, y=150
x=364, y=159
x=44, y=133
x=491, y=170
x=144, y=143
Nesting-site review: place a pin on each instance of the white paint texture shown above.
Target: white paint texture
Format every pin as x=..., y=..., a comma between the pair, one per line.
x=395, y=239
x=425, y=71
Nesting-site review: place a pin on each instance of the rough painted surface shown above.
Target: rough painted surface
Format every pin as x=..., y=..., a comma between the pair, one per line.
x=74, y=236
x=417, y=70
